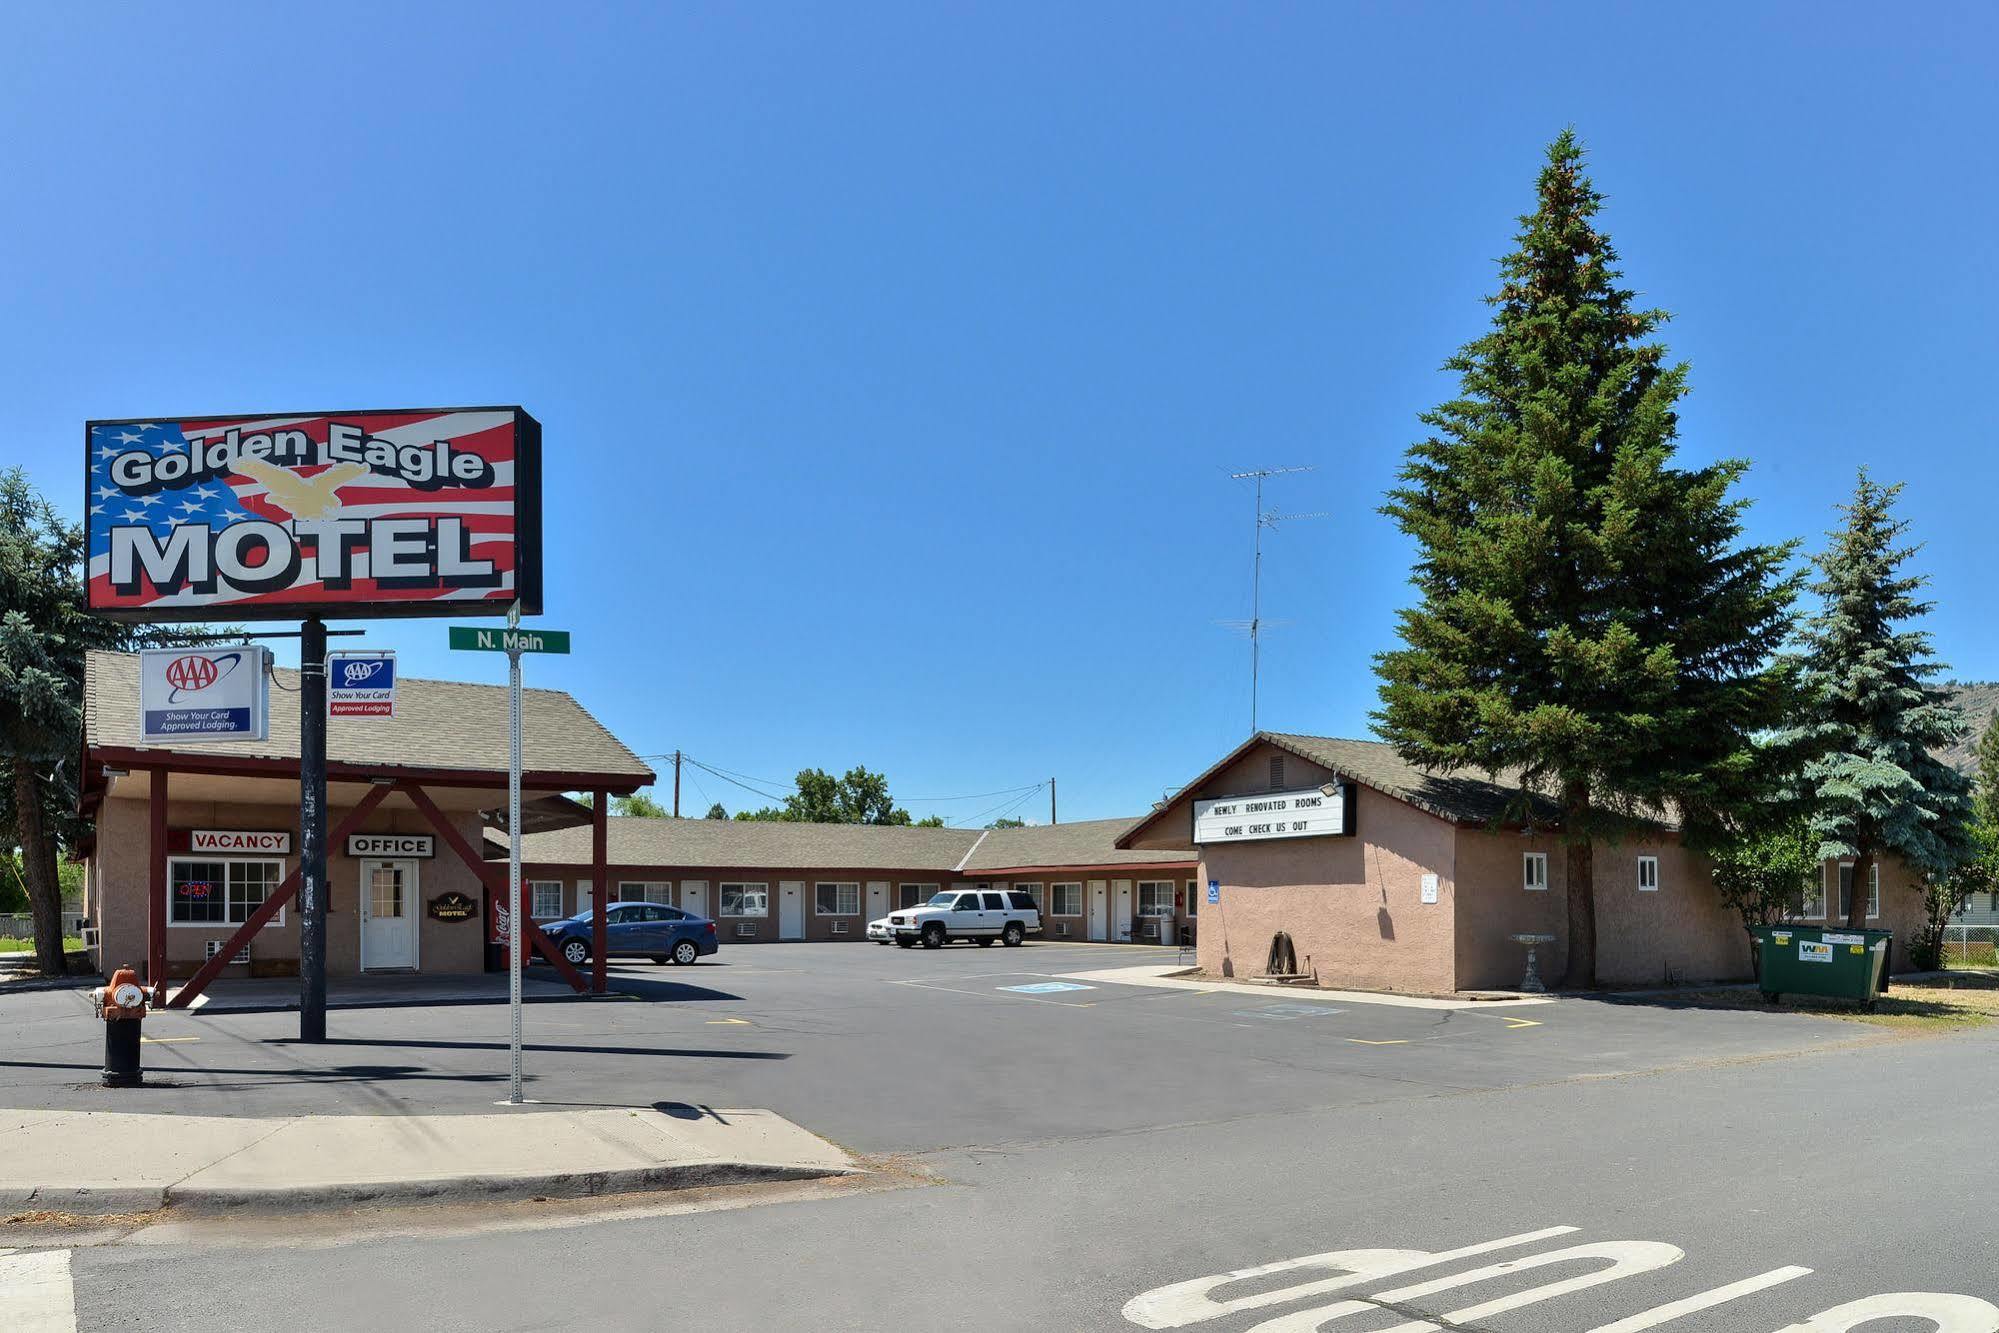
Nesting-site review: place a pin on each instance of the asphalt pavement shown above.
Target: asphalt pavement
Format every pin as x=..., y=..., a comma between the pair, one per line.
x=1105, y=1158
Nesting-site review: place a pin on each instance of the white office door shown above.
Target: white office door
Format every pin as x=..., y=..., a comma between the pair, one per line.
x=791, y=909
x=1099, y=929
x=877, y=899
x=388, y=915
x=694, y=896
x=1120, y=909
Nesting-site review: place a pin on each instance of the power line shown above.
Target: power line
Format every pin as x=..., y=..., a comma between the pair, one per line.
x=1002, y=810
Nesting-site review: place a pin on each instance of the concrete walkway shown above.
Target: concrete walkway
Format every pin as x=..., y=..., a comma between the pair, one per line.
x=251, y=995
x=117, y=1162
x=1166, y=978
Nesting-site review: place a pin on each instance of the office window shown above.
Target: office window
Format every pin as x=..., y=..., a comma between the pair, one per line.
x=1648, y=874
x=1534, y=871
x=837, y=899
x=745, y=899
x=1846, y=889
x=1066, y=899
x=219, y=891
x=1155, y=897
x=1193, y=897
x=545, y=899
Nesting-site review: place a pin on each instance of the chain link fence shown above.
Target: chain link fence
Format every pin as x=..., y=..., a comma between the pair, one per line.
x=1971, y=946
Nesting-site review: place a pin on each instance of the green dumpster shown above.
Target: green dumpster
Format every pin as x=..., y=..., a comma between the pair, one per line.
x=1798, y=959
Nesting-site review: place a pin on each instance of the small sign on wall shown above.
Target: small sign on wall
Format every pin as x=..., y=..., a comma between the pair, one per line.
x=269, y=842
x=452, y=906
x=1429, y=888
x=391, y=845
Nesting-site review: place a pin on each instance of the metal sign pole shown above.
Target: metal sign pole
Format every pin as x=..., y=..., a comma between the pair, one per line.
x=312, y=832
x=514, y=847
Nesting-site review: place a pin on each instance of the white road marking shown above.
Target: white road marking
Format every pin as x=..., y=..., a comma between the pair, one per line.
x=1707, y=1300
x=1950, y=1314
x=36, y=1294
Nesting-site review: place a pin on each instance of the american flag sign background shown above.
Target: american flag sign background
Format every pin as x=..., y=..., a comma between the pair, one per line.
x=430, y=512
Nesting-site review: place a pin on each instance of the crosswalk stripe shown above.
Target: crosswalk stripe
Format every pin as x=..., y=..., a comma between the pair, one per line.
x=36, y=1294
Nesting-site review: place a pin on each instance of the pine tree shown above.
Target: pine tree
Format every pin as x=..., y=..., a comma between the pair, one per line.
x=1872, y=720
x=1590, y=618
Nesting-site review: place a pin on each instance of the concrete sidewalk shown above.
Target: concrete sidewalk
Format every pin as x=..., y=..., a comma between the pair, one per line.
x=1167, y=977
x=110, y=1161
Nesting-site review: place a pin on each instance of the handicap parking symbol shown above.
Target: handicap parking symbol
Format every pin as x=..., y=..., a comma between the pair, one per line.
x=1047, y=987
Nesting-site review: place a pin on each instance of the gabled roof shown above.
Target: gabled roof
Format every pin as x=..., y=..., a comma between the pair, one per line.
x=439, y=725
x=1460, y=796
x=778, y=845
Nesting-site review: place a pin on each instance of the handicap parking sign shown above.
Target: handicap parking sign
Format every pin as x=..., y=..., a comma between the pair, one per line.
x=1214, y=892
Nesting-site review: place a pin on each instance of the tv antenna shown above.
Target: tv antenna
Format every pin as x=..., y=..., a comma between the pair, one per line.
x=1265, y=518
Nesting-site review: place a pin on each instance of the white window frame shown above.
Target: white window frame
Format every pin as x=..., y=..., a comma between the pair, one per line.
x=1534, y=872
x=535, y=889
x=743, y=888
x=658, y=892
x=1158, y=909
x=1648, y=863
x=228, y=918
x=1813, y=908
x=841, y=889
x=1873, y=887
x=1032, y=888
x=1056, y=892
x=924, y=893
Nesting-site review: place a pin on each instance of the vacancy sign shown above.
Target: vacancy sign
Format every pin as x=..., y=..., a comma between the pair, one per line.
x=204, y=694
x=361, y=683
x=1312, y=813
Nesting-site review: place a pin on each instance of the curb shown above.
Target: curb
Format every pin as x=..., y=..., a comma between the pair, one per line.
x=83, y=1201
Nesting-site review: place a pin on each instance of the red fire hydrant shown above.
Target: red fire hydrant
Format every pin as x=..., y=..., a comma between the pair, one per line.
x=122, y=1006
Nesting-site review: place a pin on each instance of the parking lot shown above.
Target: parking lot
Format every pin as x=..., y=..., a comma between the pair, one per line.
x=886, y=1050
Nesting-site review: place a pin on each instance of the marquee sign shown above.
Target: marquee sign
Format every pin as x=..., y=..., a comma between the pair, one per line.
x=431, y=512
x=204, y=694
x=1310, y=813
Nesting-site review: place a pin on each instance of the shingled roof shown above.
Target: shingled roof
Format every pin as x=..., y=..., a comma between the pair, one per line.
x=439, y=725
x=779, y=845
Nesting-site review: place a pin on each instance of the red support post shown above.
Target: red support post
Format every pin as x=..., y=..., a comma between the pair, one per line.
x=156, y=883
x=492, y=876
x=600, y=842
x=284, y=893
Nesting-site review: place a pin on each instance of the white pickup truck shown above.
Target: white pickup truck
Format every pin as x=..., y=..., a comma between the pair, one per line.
x=979, y=915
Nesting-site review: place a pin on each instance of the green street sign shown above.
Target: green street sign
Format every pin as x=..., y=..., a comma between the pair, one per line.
x=502, y=640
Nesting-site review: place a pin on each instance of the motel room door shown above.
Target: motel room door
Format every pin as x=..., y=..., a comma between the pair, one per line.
x=791, y=909
x=1121, y=909
x=1099, y=911
x=877, y=899
x=694, y=896
x=388, y=916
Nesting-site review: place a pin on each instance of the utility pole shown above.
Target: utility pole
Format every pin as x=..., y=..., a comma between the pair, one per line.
x=676, y=784
x=1264, y=519
x=312, y=831
x=1051, y=800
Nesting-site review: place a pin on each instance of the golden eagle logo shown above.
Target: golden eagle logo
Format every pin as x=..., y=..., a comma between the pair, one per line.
x=302, y=497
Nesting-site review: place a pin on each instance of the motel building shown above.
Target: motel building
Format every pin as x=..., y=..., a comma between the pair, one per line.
x=1387, y=877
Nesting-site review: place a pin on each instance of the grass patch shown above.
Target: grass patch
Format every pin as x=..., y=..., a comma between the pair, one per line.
x=1944, y=1004
x=15, y=944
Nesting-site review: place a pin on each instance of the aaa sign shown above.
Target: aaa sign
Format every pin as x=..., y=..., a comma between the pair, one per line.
x=278, y=516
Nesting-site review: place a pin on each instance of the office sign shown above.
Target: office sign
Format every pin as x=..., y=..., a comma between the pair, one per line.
x=204, y=694
x=1311, y=813
x=361, y=683
x=278, y=516
x=393, y=846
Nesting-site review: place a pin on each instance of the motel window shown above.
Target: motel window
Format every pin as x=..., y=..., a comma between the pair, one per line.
x=1155, y=897
x=909, y=895
x=1066, y=899
x=745, y=899
x=630, y=892
x=219, y=891
x=1846, y=889
x=1648, y=874
x=1030, y=892
x=1192, y=899
x=545, y=899
x=837, y=899
x=1809, y=905
x=1534, y=871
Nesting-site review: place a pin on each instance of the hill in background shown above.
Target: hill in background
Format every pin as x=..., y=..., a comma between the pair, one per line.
x=1977, y=699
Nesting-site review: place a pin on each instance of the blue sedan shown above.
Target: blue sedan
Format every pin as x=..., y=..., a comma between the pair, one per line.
x=637, y=930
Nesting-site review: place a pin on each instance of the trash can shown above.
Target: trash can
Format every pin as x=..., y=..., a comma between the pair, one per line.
x=1799, y=959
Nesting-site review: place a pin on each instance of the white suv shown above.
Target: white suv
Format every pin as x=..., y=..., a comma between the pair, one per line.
x=982, y=915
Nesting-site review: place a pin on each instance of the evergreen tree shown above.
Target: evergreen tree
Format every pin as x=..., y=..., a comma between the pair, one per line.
x=716, y=811
x=1590, y=620
x=1871, y=719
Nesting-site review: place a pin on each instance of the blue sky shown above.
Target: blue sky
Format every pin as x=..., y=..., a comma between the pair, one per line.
x=892, y=358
